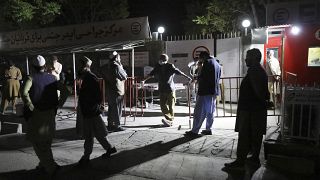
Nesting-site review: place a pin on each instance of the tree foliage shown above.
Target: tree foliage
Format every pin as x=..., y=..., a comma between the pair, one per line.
x=84, y=11
x=26, y=13
x=225, y=16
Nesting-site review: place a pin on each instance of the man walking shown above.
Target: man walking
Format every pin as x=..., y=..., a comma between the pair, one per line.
x=208, y=90
x=90, y=98
x=165, y=72
x=251, y=119
x=40, y=96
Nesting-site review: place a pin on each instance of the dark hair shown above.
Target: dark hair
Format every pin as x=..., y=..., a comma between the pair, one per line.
x=204, y=54
x=10, y=63
x=54, y=58
x=255, y=54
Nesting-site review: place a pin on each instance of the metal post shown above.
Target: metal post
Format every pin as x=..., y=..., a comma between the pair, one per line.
x=74, y=79
x=27, y=61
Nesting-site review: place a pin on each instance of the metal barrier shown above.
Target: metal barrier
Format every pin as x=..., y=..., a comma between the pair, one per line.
x=301, y=114
x=226, y=105
x=133, y=86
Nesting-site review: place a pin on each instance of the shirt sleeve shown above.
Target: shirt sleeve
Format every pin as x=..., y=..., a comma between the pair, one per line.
x=19, y=76
x=25, y=93
x=154, y=71
x=176, y=70
x=121, y=73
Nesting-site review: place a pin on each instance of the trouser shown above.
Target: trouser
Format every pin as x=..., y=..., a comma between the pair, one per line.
x=272, y=87
x=44, y=153
x=251, y=130
x=5, y=102
x=167, y=104
x=115, y=104
x=204, y=108
x=89, y=135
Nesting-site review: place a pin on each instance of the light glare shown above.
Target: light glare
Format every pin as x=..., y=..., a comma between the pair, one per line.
x=295, y=30
x=160, y=29
x=246, y=23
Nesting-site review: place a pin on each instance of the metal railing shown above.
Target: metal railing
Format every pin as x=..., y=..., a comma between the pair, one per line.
x=301, y=114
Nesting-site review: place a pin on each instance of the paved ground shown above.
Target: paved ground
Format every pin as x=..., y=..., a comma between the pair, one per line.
x=146, y=150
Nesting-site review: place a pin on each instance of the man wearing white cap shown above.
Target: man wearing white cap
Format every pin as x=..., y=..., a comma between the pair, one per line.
x=90, y=98
x=40, y=96
x=114, y=76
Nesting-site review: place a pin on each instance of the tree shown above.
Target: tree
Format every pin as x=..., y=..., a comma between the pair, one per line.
x=85, y=11
x=193, y=9
x=26, y=14
x=225, y=16
x=22, y=14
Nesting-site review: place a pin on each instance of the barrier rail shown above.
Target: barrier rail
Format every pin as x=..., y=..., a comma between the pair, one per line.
x=226, y=105
x=301, y=113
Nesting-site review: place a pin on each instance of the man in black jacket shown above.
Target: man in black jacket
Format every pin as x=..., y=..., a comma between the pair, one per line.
x=90, y=99
x=251, y=119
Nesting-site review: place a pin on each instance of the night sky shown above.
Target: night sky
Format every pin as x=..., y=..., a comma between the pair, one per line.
x=168, y=13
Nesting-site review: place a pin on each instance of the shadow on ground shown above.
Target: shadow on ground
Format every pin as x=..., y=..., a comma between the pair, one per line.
x=18, y=141
x=101, y=168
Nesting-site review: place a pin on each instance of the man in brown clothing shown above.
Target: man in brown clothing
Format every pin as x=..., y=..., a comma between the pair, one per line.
x=11, y=87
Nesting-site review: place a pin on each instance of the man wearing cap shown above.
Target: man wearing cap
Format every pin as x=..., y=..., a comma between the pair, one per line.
x=90, y=98
x=12, y=86
x=208, y=90
x=114, y=76
x=165, y=72
x=40, y=96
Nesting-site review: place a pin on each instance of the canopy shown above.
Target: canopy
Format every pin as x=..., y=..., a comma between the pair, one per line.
x=100, y=36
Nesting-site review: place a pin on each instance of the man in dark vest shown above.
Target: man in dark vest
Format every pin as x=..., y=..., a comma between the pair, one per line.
x=40, y=96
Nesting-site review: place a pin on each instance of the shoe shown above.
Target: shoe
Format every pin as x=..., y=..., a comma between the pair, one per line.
x=166, y=123
x=56, y=170
x=83, y=162
x=116, y=129
x=109, y=152
x=191, y=134
x=206, y=132
x=253, y=161
x=40, y=168
x=235, y=164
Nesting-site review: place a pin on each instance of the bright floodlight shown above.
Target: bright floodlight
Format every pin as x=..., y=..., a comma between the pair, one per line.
x=295, y=30
x=160, y=29
x=246, y=23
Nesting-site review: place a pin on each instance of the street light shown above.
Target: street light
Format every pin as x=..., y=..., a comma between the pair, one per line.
x=245, y=23
x=160, y=31
x=295, y=30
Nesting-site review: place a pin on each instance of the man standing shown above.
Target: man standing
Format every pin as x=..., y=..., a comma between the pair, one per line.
x=165, y=72
x=273, y=71
x=40, y=96
x=57, y=67
x=208, y=90
x=193, y=70
x=90, y=98
x=114, y=76
x=251, y=119
x=11, y=87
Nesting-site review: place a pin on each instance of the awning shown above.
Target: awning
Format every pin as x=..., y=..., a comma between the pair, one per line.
x=101, y=36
